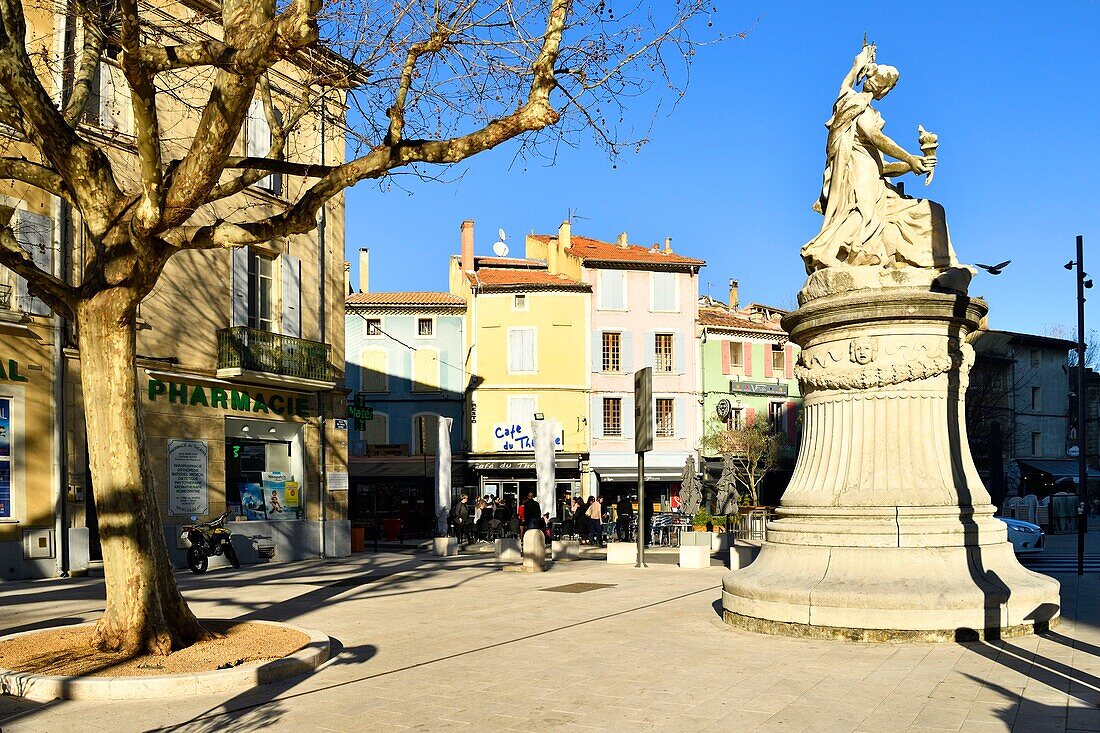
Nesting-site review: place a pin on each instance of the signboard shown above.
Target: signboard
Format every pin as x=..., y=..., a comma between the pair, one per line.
x=188, y=464
x=388, y=450
x=232, y=399
x=723, y=409
x=339, y=424
x=359, y=411
x=643, y=410
x=337, y=481
x=763, y=388
x=5, y=459
x=513, y=436
x=502, y=466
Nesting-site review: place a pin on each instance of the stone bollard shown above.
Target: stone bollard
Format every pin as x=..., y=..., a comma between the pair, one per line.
x=534, y=551
x=565, y=550
x=508, y=550
x=622, y=553
x=694, y=556
x=445, y=546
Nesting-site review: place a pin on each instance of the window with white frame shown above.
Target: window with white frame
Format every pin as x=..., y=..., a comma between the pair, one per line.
x=261, y=292
x=777, y=417
x=373, y=373
x=613, y=417
x=779, y=359
x=519, y=302
x=521, y=410
x=665, y=425
x=664, y=296
x=737, y=354
x=612, y=285
x=736, y=419
x=373, y=327
x=425, y=327
x=521, y=350
x=663, y=353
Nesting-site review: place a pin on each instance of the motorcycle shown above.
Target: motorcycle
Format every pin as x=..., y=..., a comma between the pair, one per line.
x=209, y=539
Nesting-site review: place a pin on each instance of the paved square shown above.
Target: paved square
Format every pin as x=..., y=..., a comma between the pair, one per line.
x=454, y=644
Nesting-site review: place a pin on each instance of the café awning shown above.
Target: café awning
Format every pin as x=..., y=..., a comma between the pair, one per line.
x=1055, y=467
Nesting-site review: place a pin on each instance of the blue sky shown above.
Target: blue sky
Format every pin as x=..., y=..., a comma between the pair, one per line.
x=1011, y=88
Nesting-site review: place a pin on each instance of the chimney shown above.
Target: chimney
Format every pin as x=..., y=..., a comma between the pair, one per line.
x=468, y=245
x=668, y=245
x=347, y=278
x=621, y=241
x=364, y=270
x=552, y=256
x=733, y=294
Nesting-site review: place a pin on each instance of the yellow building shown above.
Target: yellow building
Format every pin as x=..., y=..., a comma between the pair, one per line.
x=240, y=353
x=527, y=360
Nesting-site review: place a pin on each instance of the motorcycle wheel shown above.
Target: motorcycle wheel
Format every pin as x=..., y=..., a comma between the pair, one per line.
x=197, y=560
x=231, y=555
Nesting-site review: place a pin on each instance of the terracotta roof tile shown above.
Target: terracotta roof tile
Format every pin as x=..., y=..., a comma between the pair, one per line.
x=597, y=251
x=494, y=278
x=721, y=318
x=405, y=299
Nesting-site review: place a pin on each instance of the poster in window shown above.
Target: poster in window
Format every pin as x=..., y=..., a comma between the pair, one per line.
x=279, y=506
x=5, y=490
x=5, y=428
x=252, y=501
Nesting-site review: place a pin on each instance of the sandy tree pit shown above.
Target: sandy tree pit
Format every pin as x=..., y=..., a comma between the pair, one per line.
x=68, y=651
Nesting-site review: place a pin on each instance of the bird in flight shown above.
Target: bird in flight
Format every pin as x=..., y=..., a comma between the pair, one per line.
x=994, y=269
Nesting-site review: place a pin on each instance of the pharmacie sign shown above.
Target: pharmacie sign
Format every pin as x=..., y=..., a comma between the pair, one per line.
x=216, y=398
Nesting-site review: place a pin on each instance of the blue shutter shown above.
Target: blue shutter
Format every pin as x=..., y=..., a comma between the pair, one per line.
x=597, y=351
x=650, y=346
x=238, y=277
x=627, y=355
x=628, y=416
x=678, y=353
x=679, y=417
x=595, y=422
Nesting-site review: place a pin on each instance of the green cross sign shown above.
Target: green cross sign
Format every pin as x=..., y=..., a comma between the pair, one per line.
x=360, y=412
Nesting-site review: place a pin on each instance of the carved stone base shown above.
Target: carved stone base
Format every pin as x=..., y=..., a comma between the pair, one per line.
x=886, y=527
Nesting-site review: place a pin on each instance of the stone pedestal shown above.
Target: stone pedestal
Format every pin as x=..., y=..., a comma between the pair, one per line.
x=622, y=553
x=886, y=530
x=743, y=553
x=507, y=550
x=694, y=556
x=565, y=550
x=445, y=546
x=534, y=551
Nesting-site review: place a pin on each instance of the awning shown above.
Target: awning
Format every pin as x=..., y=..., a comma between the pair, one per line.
x=659, y=466
x=407, y=467
x=1057, y=468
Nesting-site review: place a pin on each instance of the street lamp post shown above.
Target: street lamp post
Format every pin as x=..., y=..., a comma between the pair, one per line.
x=1082, y=465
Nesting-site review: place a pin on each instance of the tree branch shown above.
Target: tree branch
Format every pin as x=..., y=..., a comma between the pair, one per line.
x=90, y=52
x=34, y=174
x=49, y=288
x=143, y=98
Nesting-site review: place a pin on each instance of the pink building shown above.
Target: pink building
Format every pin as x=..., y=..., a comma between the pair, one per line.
x=644, y=310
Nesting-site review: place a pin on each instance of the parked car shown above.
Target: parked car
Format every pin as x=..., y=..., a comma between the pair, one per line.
x=1026, y=538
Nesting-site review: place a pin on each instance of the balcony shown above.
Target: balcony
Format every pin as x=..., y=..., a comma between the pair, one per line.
x=260, y=357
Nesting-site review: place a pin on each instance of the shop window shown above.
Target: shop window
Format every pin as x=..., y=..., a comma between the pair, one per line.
x=259, y=483
x=613, y=417
x=425, y=370
x=612, y=343
x=5, y=458
x=373, y=371
x=779, y=359
x=662, y=352
x=737, y=354
x=424, y=327
x=612, y=286
x=663, y=286
x=261, y=292
x=521, y=350
x=665, y=422
x=425, y=435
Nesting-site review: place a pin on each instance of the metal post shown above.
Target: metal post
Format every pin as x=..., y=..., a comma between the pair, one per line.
x=643, y=515
x=1082, y=465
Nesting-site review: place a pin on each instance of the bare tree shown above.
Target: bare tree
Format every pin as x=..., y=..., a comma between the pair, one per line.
x=1092, y=344
x=432, y=83
x=748, y=453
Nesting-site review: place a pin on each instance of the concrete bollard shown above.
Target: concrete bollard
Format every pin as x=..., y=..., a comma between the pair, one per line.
x=508, y=550
x=694, y=556
x=565, y=550
x=534, y=551
x=445, y=546
x=622, y=553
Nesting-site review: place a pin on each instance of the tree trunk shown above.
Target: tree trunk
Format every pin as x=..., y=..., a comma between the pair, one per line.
x=145, y=612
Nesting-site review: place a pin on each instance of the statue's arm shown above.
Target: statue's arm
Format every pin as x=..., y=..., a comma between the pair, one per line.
x=893, y=170
x=908, y=162
x=865, y=57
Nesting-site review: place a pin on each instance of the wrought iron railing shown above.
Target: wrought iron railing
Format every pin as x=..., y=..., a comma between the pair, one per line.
x=254, y=350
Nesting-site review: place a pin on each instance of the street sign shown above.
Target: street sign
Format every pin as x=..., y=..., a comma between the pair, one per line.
x=643, y=410
x=723, y=409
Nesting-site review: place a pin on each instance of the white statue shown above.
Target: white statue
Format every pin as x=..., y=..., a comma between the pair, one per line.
x=868, y=222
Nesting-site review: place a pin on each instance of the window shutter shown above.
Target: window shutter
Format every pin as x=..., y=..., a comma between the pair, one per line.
x=650, y=348
x=596, y=423
x=746, y=357
x=678, y=353
x=292, y=295
x=679, y=417
x=726, y=345
x=750, y=416
x=618, y=289
x=257, y=137
x=597, y=351
x=626, y=352
x=767, y=360
x=114, y=98
x=238, y=278
x=788, y=361
x=628, y=416
x=35, y=235
x=792, y=422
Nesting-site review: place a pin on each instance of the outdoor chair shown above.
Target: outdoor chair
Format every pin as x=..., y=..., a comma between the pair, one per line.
x=496, y=530
x=513, y=527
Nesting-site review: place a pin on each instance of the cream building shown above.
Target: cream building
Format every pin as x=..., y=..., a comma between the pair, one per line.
x=240, y=352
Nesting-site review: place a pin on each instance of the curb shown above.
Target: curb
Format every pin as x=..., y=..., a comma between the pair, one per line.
x=43, y=688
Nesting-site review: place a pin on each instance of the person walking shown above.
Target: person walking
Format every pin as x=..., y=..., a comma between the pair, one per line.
x=624, y=510
x=532, y=512
x=595, y=521
x=460, y=518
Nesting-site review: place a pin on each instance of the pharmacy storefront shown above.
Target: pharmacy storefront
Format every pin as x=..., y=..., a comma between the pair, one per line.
x=251, y=451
